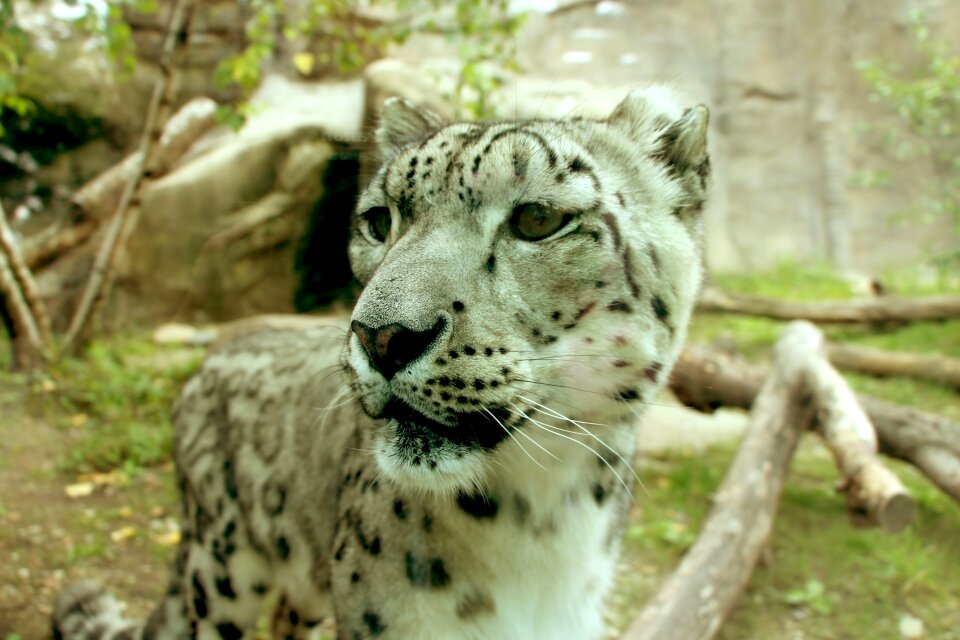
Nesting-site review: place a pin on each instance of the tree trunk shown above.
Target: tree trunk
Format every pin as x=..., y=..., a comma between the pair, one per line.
x=707, y=380
x=694, y=601
x=887, y=363
x=870, y=310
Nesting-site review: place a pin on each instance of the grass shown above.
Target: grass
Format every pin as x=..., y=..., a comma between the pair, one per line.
x=823, y=578
x=113, y=403
x=754, y=337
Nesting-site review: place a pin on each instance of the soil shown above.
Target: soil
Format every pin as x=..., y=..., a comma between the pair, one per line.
x=48, y=539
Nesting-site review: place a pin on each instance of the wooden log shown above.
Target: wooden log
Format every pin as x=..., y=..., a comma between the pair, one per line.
x=43, y=248
x=23, y=280
x=99, y=197
x=880, y=362
x=874, y=493
x=20, y=324
x=695, y=600
x=707, y=380
x=178, y=33
x=869, y=310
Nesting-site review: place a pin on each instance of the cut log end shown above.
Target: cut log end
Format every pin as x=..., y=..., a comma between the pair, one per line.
x=897, y=513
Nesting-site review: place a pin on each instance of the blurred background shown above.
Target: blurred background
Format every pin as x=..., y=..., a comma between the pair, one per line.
x=169, y=166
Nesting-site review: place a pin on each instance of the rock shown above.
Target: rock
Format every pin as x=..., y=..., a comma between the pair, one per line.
x=911, y=628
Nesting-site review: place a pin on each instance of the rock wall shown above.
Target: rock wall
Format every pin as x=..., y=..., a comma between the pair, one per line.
x=787, y=103
x=786, y=100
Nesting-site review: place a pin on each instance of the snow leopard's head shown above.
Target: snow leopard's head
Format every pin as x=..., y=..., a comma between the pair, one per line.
x=521, y=279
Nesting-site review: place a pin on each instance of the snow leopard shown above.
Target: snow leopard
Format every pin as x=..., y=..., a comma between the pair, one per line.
x=456, y=461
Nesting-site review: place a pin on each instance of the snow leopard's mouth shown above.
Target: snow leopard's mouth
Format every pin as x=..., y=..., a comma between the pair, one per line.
x=473, y=430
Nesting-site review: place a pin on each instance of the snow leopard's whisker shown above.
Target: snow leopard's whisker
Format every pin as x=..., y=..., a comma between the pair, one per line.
x=579, y=424
x=558, y=433
x=561, y=386
x=564, y=356
x=519, y=444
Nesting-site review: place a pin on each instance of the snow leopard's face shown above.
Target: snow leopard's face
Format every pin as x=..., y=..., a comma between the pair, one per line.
x=522, y=279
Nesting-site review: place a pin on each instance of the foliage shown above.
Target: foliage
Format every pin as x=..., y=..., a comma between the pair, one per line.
x=101, y=23
x=822, y=577
x=926, y=103
x=334, y=34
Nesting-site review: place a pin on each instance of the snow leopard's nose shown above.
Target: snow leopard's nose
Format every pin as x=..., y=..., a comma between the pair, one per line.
x=392, y=347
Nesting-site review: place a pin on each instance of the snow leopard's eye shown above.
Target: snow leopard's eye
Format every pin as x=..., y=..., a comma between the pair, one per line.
x=533, y=221
x=378, y=222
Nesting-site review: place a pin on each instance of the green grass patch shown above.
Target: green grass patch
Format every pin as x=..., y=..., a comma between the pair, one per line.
x=824, y=578
x=755, y=337
x=788, y=281
x=113, y=402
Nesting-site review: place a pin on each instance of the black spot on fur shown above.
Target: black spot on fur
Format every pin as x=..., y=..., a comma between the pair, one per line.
x=229, y=631
x=478, y=505
x=293, y=617
x=556, y=315
x=478, y=384
x=628, y=272
x=199, y=596
x=611, y=223
x=229, y=479
x=354, y=577
x=659, y=308
x=468, y=350
x=453, y=355
x=259, y=588
x=519, y=165
x=619, y=306
x=652, y=372
x=654, y=257
x=426, y=573
x=491, y=263
x=400, y=509
x=225, y=588
x=373, y=622
x=627, y=395
x=599, y=284
x=283, y=548
x=488, y=351
x=457, y=305
x=474, y=604
x=599, y=493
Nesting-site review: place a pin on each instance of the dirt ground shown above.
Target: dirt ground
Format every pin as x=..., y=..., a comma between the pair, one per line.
x=118, y=534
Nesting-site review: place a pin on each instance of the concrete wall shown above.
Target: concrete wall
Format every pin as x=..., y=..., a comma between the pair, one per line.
x=787, y=102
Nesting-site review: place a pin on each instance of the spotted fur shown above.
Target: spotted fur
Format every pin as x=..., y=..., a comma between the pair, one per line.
x=455, y=464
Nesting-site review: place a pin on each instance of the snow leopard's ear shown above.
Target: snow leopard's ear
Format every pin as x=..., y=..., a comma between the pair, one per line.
x=402, y=122
x=667, y=132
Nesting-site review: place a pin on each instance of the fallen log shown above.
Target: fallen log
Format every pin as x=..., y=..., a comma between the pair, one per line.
x=864, y=310
x=100, y=197
x=879, y=362
x=707, y=380
x=695, y=600
x=874, y=494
